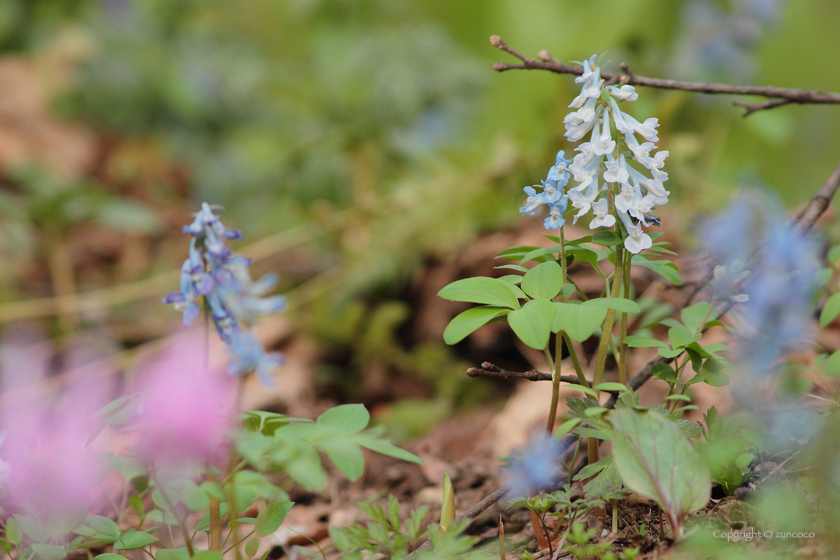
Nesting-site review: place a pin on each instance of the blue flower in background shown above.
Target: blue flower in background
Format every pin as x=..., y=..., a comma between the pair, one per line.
x=249, y=355
x=233, y=299
x=536, y=466
x=782, y=263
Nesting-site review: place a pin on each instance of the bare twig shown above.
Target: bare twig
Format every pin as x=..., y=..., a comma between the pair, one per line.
x=778, y=96
x=493, y=371
x=818, y=204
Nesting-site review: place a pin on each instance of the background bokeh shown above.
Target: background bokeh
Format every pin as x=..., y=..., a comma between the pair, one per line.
x=358, y=144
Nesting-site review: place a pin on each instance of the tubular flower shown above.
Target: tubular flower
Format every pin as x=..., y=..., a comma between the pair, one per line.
x=626, y=192
x=232, y=298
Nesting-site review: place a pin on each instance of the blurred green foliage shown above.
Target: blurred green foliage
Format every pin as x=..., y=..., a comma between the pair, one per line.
x=381, y=122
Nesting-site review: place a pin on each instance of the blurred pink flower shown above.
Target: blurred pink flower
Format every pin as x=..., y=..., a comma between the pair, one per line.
x=186, y=412
x=48, y=465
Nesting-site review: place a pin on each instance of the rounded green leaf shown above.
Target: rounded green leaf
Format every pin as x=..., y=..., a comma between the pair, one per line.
x=830, y=310
x=832, y=364
x=109, y=556
x=532, y=323
x=271, y=517
x=350, y=418
x=466, y=323
x=13, y=532
x=579, y=321
x=567, y=427
x=622, y=305
x=610, y=386
x=636, y=341
x=179, y=553
x=252, y=547
x=347, y=457
x=655, y=459
x=606, y=237
x=481, y=289
x=194, y=497
x=133, y=540
x=543, y=281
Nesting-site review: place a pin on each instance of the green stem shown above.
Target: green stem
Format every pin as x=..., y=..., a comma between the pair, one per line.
x=177, y=517
x=575, y=361
x=558, y=347
x=622, y=354
x=601, y=359
x=574, y=458
x=555, y=382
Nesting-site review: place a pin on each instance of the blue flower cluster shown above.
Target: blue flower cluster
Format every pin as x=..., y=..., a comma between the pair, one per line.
x=783, y=266
x=553, y=194
x=233, y=299
x=536, y=466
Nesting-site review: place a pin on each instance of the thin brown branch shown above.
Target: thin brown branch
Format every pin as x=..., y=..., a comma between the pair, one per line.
x=753, y=107
x=818, y=204
x=495, y=372
x=779, y=96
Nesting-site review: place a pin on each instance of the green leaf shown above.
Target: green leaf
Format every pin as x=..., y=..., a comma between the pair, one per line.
x=540, y=254
x=532, y=323
x=347, y=457
x=595, y=411
x=830, y=310
x=743, y=461
x=664, y=372
x=132, y=540
x=252, y=547
x=49, y=551
x=832, y=364
x=30, y=528
x=678, y=398
x=823, y=276
x=680, y=336
x=194, y=497
x=621, y=305
x=668, y=270
x=99, y=528
x=109, y=556
x=13, y=532
x=610, y=386
x=579, y=321
x=347, y=418
x=567, y=427
x=481, y=289
x=543, y=281
x=518, y=267
x=655, y=459
x=447, y=512
x=670, y=352
x=384, y=447
x=464, y=324
x=208, y=555
x=637, y=341
x=693, y=316
x=137, y=503
x=606, y=237
x=271, y=517
x=179, y=553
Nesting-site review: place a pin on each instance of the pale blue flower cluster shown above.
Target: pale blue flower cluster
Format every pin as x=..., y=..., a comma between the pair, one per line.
x=553, y=194
x=235, y=301
x=778, y=291
x=609, y=185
